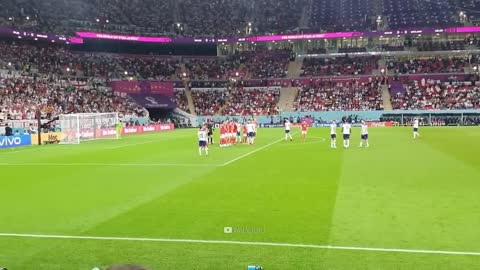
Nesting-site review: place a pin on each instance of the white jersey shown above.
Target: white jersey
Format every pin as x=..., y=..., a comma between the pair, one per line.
x=287, y=125
x=346, y=128
x=250, y=128
x=333, y=129
x=202, y=136
x=364, y=129
x=415, y=123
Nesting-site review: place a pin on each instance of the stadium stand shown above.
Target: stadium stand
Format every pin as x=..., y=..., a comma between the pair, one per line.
x=209, y=101
x=230, y=18
x=21, y=97
x=313, y=67
x=180, y=99
x=252, y=101
x=60, y=61
x=412, y=13
x=339, y=96
x=430, y=94
x=428, y=65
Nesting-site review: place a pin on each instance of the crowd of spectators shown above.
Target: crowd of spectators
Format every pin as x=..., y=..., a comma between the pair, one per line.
x=258, y=64
x=212, y=67
x=315, y=67
x=280, y=17
x=430, y=94
x=219, y=18
x=180, y=99
x=209, y=101
x=339, y=96
x=428, y=65
x=252, y=101
x=413, y=13
x=266, y=64
x=342, y=15
x=57, y=60
x=225, y=18
x=21, y=97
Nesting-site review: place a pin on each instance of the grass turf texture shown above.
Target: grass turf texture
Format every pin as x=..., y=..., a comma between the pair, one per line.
x=399, y=193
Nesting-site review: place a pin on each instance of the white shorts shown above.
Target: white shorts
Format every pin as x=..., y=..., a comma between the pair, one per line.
x=304, y=133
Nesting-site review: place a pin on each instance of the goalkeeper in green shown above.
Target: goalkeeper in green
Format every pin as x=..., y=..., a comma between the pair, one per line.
x=119, y=129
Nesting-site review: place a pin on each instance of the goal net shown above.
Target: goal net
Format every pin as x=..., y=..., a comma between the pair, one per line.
x=81, y=127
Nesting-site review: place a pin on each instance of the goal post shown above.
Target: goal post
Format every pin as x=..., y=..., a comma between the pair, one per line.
x=81, y=127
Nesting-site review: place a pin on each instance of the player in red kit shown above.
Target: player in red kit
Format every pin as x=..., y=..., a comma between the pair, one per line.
x=304, y=128
x=222, y=135
x=236, y=133
x=232, y=133
x=245, y=133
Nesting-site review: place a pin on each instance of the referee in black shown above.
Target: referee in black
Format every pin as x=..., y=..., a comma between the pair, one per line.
x=210, y=132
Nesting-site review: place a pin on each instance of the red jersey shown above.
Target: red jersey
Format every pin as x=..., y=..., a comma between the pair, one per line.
x=244, y=129
x=235, y=128
x=304, y=127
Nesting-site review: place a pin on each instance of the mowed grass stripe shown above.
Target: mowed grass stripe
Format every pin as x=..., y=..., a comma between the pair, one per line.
x=407, y=194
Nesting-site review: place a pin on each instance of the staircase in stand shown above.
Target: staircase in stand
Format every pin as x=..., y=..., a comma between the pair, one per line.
x=295, y=68
x=188, y=95
x=287, y=98
x=387, y=103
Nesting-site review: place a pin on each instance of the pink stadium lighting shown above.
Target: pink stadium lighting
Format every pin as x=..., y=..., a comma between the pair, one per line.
x=124, y=37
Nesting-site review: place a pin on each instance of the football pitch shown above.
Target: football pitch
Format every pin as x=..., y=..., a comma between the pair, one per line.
x=151, y=200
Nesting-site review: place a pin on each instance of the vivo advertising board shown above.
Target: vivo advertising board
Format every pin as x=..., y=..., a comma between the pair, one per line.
x=15, y=141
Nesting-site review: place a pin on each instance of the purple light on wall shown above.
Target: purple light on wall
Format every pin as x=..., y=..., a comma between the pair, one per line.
x=124, y=37
x=306, y=36
x=466, y=29
x=75, y=40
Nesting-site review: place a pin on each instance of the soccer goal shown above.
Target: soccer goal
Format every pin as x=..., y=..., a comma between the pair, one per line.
x=81, y=127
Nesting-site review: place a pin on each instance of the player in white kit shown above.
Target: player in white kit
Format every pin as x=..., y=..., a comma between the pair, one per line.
x=288, y=135
x=346, y=127
x=202, y=140
x=333, y=134
x=250, y=132
x=415, y=128
x=364, y=138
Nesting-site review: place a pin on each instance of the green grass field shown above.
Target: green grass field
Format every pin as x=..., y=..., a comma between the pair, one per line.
x=410, y=199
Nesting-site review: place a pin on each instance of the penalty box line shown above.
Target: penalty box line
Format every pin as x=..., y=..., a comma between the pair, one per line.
x=252, y=152
x=226, y=242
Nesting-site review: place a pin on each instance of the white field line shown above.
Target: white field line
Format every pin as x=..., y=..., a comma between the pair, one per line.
x=253, y=152
x=161, y=139
x=226, y=242
x=115, y=164
x=21, y=150
x=128, y=145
